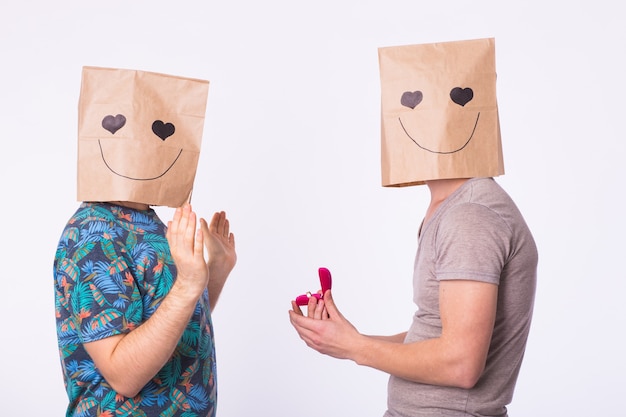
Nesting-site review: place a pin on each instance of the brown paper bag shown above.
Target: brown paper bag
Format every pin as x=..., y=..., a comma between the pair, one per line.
x=439, y=113
x=139, y=136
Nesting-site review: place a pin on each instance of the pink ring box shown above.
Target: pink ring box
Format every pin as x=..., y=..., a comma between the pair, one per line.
x=326, y=283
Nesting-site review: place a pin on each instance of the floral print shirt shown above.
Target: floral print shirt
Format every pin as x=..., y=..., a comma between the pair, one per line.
x=112, y=269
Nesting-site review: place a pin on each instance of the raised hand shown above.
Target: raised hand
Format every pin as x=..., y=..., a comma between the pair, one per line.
x=187, y=248
x=220, y=245
x=219, y=242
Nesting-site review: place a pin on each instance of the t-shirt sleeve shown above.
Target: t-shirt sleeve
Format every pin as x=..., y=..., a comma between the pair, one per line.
x=105, y=298
x=472, y=243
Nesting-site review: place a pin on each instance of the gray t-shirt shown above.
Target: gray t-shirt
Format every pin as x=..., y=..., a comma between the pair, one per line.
x=477, y=233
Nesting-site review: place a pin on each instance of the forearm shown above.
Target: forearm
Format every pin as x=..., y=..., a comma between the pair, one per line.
x=396, y=338
x=458, y=356
x=136, y=357
x=218, y=273
x=432, y=361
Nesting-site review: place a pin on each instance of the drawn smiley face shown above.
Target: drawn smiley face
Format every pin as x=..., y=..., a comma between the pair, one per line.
x=162, y=130
x=419, y=128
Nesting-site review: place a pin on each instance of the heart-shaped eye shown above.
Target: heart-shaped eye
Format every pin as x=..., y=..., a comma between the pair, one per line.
x=461, y=96
x=411, y=98
x=162, y=130
x=113, y=123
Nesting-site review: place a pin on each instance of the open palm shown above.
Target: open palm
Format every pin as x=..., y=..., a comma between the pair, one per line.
x=220, y=245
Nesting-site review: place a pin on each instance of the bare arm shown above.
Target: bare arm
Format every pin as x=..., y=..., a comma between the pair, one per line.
x=220, y=245
x=456, y=358
x=395, y=338
x=129, y=361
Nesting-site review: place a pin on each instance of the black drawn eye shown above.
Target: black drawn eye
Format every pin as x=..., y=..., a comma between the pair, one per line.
x=113, y=123
x=411, y=98
x=162, y=130
x=461, y=96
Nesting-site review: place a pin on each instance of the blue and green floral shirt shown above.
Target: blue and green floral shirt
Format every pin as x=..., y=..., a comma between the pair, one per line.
x=112, y=269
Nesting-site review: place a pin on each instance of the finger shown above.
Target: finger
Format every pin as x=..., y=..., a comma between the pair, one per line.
x=204, y=227
x=188, y=223
x=319, y=310
x=330, y=304
x=300, y=322
x=294, y=318
x=180, y=221
x=198, y=248
x=172, y=228
x=226, y=224
x=216, y=223
x=222, y=226
x=311, y=307
x=178, y=213
x=306, y=332
x=231, y=239
x=296, y=308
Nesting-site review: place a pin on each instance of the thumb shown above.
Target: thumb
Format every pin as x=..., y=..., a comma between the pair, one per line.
x=332, y=309
x=204, y=226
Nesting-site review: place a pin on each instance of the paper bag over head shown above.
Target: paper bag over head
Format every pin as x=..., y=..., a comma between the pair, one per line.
x=439, y=112
x=139, y=136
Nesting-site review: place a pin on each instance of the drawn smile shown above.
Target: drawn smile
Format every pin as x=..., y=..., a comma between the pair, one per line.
x=161, y=171
x=463, y=145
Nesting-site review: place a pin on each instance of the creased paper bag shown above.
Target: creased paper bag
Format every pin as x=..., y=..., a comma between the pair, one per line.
x=139, y=136
x=439, y=113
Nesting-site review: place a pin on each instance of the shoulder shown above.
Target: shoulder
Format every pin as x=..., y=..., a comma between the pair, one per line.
x=482, y=201
x=471, y=216
x=91, y=212
x=476, y=216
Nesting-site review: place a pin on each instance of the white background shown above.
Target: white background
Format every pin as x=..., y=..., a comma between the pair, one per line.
x=291, y=152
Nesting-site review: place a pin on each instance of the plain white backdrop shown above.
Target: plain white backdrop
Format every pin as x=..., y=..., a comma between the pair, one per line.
x=291, y=152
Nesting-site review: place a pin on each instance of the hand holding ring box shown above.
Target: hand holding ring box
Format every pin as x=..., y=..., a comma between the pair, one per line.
x=326, y=283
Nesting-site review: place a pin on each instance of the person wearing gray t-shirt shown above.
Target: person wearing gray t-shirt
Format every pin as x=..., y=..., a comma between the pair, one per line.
x=475, y=270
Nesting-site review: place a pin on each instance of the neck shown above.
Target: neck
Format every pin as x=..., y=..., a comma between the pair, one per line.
x=130, y=204
x=440, y=190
